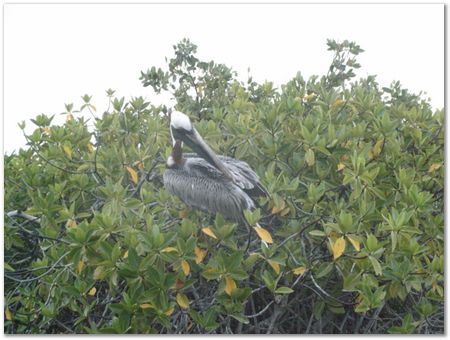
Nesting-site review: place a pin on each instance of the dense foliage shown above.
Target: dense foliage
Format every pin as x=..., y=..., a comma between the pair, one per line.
x=94, y=243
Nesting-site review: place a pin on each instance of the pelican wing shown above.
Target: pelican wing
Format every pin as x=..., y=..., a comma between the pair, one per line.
x=201, y=168
x=202, y=186
x=243, y=175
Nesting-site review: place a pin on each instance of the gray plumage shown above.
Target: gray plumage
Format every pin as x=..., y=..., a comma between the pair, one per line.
x=202, y=186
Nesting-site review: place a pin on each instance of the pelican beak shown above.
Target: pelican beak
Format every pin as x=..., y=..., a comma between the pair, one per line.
x=193, y=139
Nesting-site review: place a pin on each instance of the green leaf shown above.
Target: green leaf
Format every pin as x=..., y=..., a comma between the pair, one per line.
x=211, y=273
x=252, y=217
x=350, y=281
x=323, y=270
x=269, y=280
x=240, y=318
x=376, y=265
x=317, y=233
x=371, y=243
x=318, y=309
x=345, y=221
x=394, y=235
x=284, y=290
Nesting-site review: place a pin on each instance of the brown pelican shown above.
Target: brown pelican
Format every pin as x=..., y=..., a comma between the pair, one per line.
x=211, y=183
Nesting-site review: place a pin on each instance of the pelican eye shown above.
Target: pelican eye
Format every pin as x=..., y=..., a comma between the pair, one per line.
x=177, y=133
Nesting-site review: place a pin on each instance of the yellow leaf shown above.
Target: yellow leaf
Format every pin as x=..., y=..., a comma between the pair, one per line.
x=8, y=314
x=348, y=143
x=377, y=147
x=47, y=130
x=93, y=107
x=275, y=266
x=125, y=255
x=146, y=306
x=169, y=250
x=183, y=213
x=340, y=167
x=338, y=103
x=90, y=147
x=199, y=254
x=209, y=232
x=68, y=151
x=182, y=301
x=169, y=311
x=229, y=285
x=277, y=209
x=133, y=174
x=69, y=117
x=285, y=211
x=80, y=266
x=338, y=247
x=140, y=165
x=309, y=97
x=299, y=270
x=185, y=267
x=263, y=234
x=310, y=158
x=359, y=298
x=99, y=273
x=333, y=234
x=71, y=223
x=92, y=291
x=355, y=243
x=439, y=290
x=434, y=167
x=376, y=150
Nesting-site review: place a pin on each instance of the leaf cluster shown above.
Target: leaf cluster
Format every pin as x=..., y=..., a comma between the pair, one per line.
x=95, y=244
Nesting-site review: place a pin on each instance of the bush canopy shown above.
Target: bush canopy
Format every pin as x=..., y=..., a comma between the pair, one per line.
x=95, y=244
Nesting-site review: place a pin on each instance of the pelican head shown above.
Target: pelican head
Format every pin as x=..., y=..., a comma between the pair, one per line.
x=182, y=130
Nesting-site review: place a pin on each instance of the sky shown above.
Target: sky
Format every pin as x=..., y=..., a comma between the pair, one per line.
x=55, y=53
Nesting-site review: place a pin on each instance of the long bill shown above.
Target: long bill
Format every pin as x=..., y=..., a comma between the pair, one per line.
x=199, y=146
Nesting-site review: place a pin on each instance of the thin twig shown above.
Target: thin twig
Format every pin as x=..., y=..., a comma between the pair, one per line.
x=261, y=311
x=42, y=275
x=18, y=213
